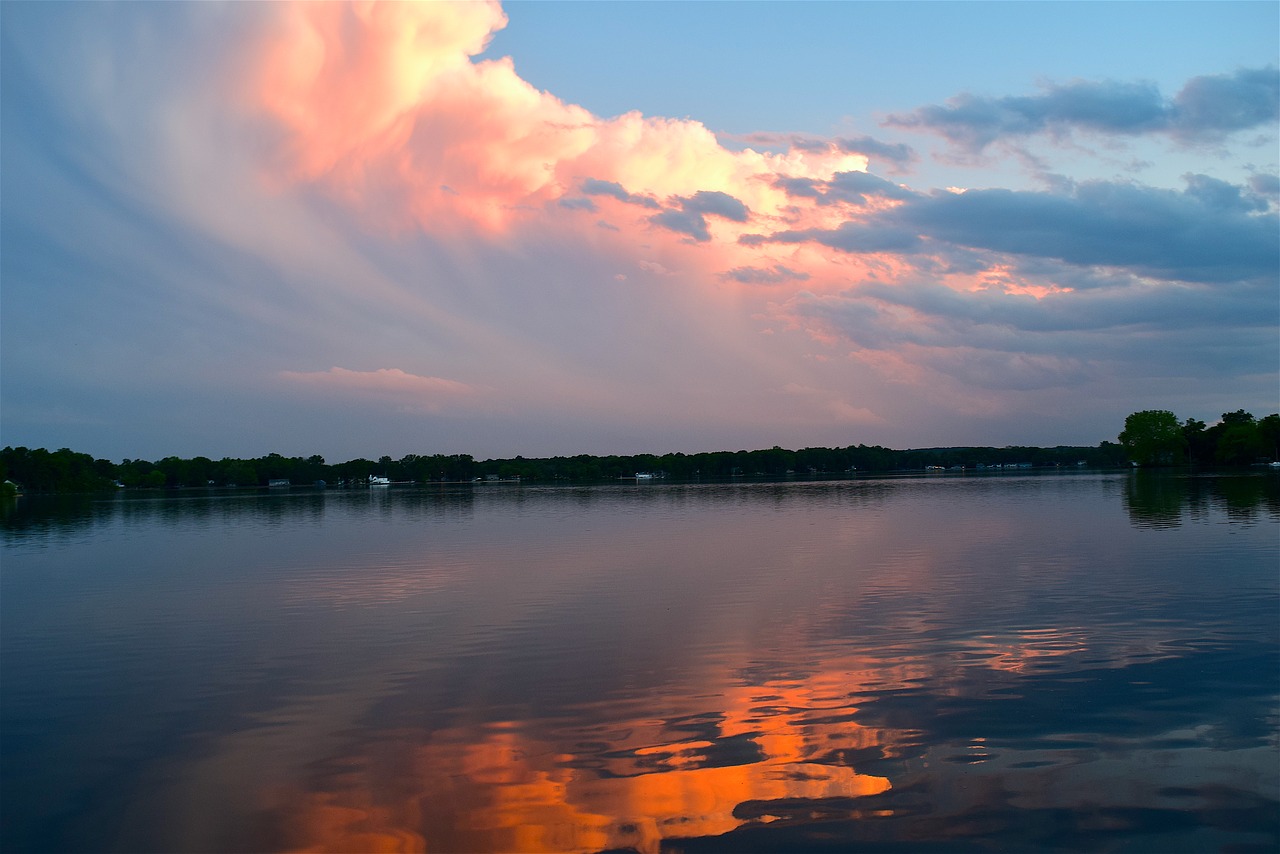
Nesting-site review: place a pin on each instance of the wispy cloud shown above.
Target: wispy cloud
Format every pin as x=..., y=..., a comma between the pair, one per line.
x=899, y=156
x=429, y=394
x=1210, y=232
x=775, y=275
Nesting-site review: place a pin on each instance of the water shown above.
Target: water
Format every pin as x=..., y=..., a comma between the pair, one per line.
x=1085, y=662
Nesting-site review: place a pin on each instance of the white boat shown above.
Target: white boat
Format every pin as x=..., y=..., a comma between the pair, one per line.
x=377, y=480
x=643, y=475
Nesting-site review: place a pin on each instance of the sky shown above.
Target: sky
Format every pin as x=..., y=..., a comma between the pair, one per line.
x=549, y=228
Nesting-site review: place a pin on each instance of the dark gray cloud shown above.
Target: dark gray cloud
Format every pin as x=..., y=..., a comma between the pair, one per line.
x=691, y=223
x=1206, y=108
x=1215, y=193
x=1135, y=308
x=774, y=275
x=856, y=186
x=689, y=218
x=974, y=121
x=994, y=339
x=1160, y=233
x=577, y=204
x=596, y=187
x=899, y=154
x=810, y=188
x=1223, y=103
x=850, y=187
x=716, y=202
x=1209, y=233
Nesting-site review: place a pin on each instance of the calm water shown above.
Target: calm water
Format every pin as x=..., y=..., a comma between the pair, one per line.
x=1080, y=662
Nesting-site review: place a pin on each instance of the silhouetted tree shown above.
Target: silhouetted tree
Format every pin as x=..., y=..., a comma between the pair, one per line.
x=1153, y=437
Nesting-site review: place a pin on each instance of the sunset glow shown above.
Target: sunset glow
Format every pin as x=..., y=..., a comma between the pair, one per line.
x=510, y=790
x=406, y=203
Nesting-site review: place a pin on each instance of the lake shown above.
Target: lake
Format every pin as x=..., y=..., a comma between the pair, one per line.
x=1081, y=661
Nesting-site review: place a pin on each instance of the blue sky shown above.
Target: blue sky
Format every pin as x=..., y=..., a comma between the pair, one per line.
x=836, y=68
x=543, y=228
x=812, y=66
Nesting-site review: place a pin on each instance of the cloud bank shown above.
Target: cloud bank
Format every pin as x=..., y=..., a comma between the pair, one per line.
x=1210, y=232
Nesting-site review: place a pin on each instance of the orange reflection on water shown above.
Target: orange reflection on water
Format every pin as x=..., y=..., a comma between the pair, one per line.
x=539, y=787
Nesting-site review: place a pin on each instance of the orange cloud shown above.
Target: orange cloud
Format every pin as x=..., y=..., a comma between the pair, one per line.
x=506, y=786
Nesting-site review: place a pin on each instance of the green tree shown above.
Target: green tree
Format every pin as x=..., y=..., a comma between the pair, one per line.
x=1269, y=436
x=1153, y=437
x=1199, y=442
x=1238, y=440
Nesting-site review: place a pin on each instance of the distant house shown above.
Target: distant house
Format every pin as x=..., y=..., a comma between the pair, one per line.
x=278, y=481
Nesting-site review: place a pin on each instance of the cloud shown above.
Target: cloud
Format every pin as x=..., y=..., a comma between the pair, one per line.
x=807, y=188
x=849, y=187
x=595, y=187
x=384, y=105
x=430, y=394
x=898, y=154
x=716, y=202
x=1266, y=186
x=774, y=275
x=832, y=404
x=995, y=340
x=856, y=186
x=974, y=121
x=1207, y=108
x=352, y=184
x=1219, y=104
x=689, y=218
x=654, y=267
x=1207, y=233
x=577, y=204
x=687, y=222
x=1154, y=232
x=1215, y=193
x=858, y=237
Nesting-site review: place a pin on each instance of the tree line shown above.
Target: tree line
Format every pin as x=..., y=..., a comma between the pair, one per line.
x=64, y=470
x=1148, y=439
x=1155, y=437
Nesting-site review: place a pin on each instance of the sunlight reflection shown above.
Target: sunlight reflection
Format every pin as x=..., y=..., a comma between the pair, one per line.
x=534, y=787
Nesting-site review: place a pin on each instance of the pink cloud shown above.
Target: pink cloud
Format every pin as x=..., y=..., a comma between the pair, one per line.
x=832, y=404
x=528, y=203
x=384, y=105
